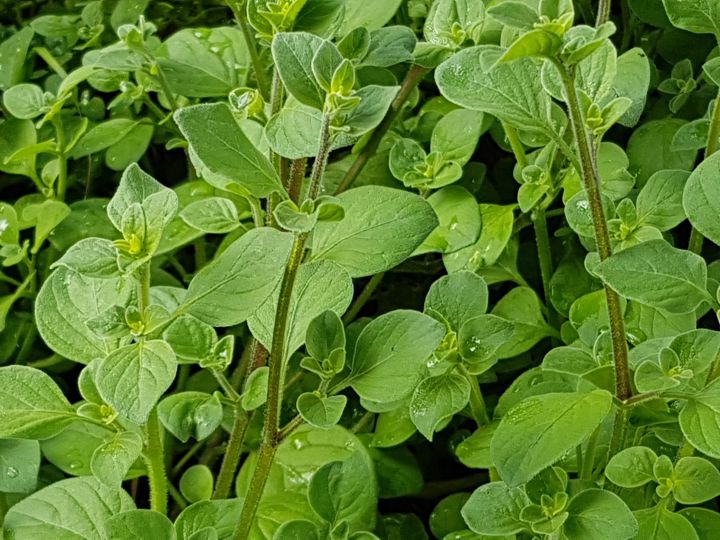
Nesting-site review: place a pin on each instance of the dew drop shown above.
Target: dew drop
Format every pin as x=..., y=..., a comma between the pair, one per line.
x=12, y=472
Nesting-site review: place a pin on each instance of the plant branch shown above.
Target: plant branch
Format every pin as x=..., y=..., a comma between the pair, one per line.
x=271, y=426
x=155, y=463
x=591, y=182
x=363, y=297
x=603, y=14
x=413, y=77
x=696, y=239
x=231, y=458
x=260, y=76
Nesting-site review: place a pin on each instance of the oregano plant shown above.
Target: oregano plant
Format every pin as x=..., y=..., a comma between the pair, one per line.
x=378, y=269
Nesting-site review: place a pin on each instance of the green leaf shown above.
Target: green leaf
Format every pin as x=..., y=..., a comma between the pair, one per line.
x=539, y=430
x=389, y=46
x=219, y=515
x=196, y=483
x=658, y=135
x=102, y=136
x=25, y=101
x=698, y=420
x=19, y=465
x=374, y=103
x=460, y=221
x=345, y=490
x=632, y=81
x=191, y=339
x=112, y=460
x=215, y=215
x=31, y=404
x=204, y=62
x=190, y=414
x=223, y=154
x=72, y=509
x=381, y=228
x=632, y=467
x=481, y=340
x=660, y=201
x=497, y=227
x=697, y=16
x=537, y=42
x=137, y=187
x=235, y=284
x=367, y=14
x=132, y=378
x=325, y=334
x=704, y=521
x=91, y=257
x=130, y=148
x=12, y=57
x=595, y=514
x=494, y=509
x=522, y=307
x=456, y=135
x=659, y=523
x=514, y=14
x=255, y=389
x=320, y=285
x=140, y=524
x=436, y=399
x=446, y=17
x=659, y=275
x=510, y=91
x=700, y=198
x=293, y=53
x=318, y=411
x=695, y=480
x=474, y=452
x=458, y=298
x=390, y=354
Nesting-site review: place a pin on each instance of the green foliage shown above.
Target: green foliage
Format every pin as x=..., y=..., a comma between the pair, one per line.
x=283, y=269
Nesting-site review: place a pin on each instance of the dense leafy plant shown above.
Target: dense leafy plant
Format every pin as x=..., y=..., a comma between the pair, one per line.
x=360, y=269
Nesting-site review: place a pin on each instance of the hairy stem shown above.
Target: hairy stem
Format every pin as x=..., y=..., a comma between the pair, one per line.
x=271, y=427
x=603, y=14
x=260, y=76
x=155, y=463
x=320, y=163
x=591, y=182
x=542, y=240
x=696, y=239
x=478, y=409
x=231, y=459
x=62, y=159
x=363, y=297
x=413, y=77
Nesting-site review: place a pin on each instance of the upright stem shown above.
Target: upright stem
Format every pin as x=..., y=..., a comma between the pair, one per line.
x=591, y=182
x=231, y=458
x=155, y=463
x=271, y=426
x=412, y=79
x=295, y=181
x=696, y=239
x=539, y=221
x=276, y=102
x=260, y=77
x=603, y=14
x=362, y=298
x=62, y=159
x=542, y=239
x=321, y=159
x=477, y=402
